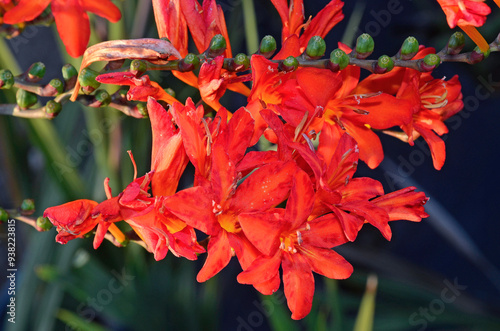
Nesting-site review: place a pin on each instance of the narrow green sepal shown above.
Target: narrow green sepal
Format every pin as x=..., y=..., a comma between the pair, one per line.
x=339, y=60
x=316, y=47
x=52, y=108
x=43, y=223
x=6, y=79
x=4, y=215
x=36, y=72
x=267, y=46
x=25, y=99
x=364, y=46
x=87, y=80
x=27, y=207
x=456, y=43
x=409, y=48
x=217, y=46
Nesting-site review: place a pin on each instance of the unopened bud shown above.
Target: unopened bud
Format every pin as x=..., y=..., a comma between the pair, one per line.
x=242, y=62
x=316, y=47
x=4, y=216
x=36, y=72
x=456, y=43
x=52, y=108
x=267, y=46
x=409, y=48
x=384, y=64
x=27, y=207
x=87, y=80
x=339, y=60
x=189, y=63
x=25, y=99
x=6, y=79
x=57, y=85
x=430, y=62
x=217, y=46
x=68, y=71
x=477, y=55
x=364, y=46
x=43, y=223
x=138, y=67
x=289, y=64
x=103, y=98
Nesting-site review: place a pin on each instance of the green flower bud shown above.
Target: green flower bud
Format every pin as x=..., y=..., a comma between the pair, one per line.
x=456, y=43
x=409, y=48
x=52, y=108
x=430, y=62
x=103, y=98
x=4, y=215
x=170, y=91
x=242, y=60
x=6, y=79
x=25, y=99
x=27, y=207
x=364, y=46
x=384, y=64
x=43, y=223
x=189, y=63
x=142, y=109
x=58, y=85
x=87, y=80
x=217, y=46
x=316, y=47
x=339, y=60
x=138, y=67
x=267, y=46
x=289, y=64
x=477, y=55
x=36, y=72
x=68, y=71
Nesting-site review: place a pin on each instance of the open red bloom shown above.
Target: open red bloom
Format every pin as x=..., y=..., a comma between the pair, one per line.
x=465, y=12
x=71, y=18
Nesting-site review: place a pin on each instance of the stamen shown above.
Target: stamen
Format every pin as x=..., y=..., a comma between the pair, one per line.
x=133, y=162
x=209, y=137
x=107, y=189
x=309, y=142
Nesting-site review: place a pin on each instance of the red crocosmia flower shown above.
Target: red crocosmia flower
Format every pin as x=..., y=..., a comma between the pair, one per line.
x=140, y=88
x=71, y=18
x=467, y=14
x=286, y=238
x=72, y=219
x=403, y=204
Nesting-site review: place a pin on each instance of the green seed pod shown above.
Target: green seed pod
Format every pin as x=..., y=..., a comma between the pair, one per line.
x=25, y=99
x=58, y=85
x=409, y=48
x=4, y=216
x=289, y=64
x=138, y=67
x=364, y=46
x=143, y=109
x=36, y=72
x=243, y=61
x=87, y=80
x=339, y=60
x=102, y=97
x=6, y=79
x=52, y=108
x=316, y=47
x=68, y=71
x=217, y=46
x=456, y=43
x=43, y=223
x=267, y=46
x=384, y=64
x=27, y=207
x=189, y=63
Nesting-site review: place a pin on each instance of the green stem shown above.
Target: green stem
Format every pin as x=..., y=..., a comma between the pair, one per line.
x=251, y=31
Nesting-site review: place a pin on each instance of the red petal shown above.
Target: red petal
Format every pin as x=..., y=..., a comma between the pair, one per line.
x=263, y=229
x=298, y=281
x=26, y=10
x=263, y=269
x=323, y=22
x=190, y=10
x=404, y=204
x=103, y=8
x=327, y=262
x=370, y=148
x=325, y=232
x=210, y=82
x=238, y=134
x=374, y=215
x=223, y=174
x=100, y=232
x=72, y=24
x=269, y=287
x=300, y=203
x=436, y=145
x=219, y=255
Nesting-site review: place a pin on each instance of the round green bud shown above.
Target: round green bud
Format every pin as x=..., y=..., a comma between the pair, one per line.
x=339, y=60
x=87, y=80
x=456, y=43
x=6, y=79
x=432, y=60
x=36, y=71
x=170, y=91
x=68, y=71
x=4, y=216
x=142, y=109
x=364, y=46
x=242, y=60
x=52, y=108
x=138, y=67
x=477, y=55
x=102, y=97
x=267, y=46
x=409, y=48
x=43, y=223
x=58, y=85
x=316, y=47
x=189, y=63
x=25, y=99
x=217, y=45
x=27, y=207
x=289, y=64
x=385, y=63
